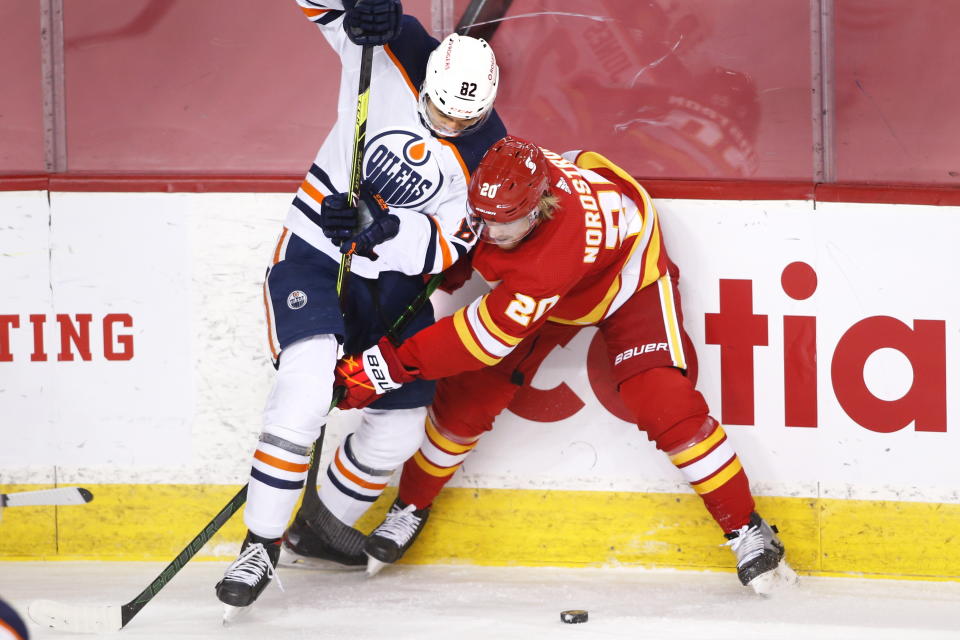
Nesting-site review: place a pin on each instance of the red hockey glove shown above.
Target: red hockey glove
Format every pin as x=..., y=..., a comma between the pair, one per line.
x=366, y=376
x=457, y=275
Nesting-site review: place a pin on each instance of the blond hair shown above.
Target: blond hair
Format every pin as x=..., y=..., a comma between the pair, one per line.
x=548, y=204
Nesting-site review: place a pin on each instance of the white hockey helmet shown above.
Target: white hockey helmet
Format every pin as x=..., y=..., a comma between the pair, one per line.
x=461, y=82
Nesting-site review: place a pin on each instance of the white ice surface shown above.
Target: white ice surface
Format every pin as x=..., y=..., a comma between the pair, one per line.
x=425, y=603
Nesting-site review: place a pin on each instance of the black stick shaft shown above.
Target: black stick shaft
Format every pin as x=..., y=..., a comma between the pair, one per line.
x=129, y=610
x=359, y=143
x=488, y=14
x=132, y=608
x=412, y=309
x=310, y=497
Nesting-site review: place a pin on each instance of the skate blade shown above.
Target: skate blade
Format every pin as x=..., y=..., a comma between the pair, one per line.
x=374, y=566
x=231, y=614
x=771, y=581
x=291, y=560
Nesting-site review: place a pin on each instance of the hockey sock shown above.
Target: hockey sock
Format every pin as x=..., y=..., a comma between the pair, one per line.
x=676, y=417
x=350, y=487
x=430, y=468
x=276, y=478
x=711, y=466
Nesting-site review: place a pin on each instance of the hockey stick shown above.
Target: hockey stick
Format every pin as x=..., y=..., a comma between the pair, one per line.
x=101, y=618
x=356, y=169
x=46, y=497
x=481, y=18
x=413, y=308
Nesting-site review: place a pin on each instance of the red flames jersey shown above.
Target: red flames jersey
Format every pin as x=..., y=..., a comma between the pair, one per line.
x=602, y=245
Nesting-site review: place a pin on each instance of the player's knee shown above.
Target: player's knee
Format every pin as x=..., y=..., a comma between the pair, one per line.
x=461, y=428
x=386, y=438
x=466, y=405
x=689, y=433
x=452, y=435
x=302, y=391
x=666, y=405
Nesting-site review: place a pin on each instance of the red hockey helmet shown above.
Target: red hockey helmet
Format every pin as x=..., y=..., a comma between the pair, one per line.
x=506, y=189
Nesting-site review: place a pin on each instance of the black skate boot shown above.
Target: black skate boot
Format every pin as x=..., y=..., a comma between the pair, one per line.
x=759, y=552
x=318, y=539
x=249, y=574
x=387, y=543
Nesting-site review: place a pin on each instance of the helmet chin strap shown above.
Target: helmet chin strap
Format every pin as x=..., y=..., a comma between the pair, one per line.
x=423, y=110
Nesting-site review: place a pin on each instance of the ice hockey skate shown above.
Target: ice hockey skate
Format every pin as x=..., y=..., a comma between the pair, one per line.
x=760, y=563
x=388, y=542
x=317, y=539
x=248, y=575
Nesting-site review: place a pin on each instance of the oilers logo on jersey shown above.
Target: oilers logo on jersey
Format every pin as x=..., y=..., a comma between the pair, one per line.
x=297, y=300
x=400, y=166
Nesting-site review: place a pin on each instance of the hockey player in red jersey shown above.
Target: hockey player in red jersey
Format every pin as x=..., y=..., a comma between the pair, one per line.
x=569, y=241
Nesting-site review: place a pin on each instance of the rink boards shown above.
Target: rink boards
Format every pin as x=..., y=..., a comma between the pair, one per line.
x=133, y=362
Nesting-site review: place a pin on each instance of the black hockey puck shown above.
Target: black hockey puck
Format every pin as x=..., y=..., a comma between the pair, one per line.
x=573, y=616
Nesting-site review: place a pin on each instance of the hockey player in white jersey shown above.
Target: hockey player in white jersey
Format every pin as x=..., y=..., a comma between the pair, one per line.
x=430, y=121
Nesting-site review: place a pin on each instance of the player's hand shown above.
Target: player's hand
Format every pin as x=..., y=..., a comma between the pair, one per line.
x=384, y=226
x=373, y=22
x=367, y=376
x=457, y=275
x=379, y=231
x=338, y=220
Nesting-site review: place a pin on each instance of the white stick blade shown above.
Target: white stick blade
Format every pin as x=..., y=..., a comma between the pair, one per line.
x=75, y=618
x=62, y=496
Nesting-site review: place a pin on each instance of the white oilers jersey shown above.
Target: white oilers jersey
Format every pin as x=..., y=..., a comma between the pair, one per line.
x=423, y=178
